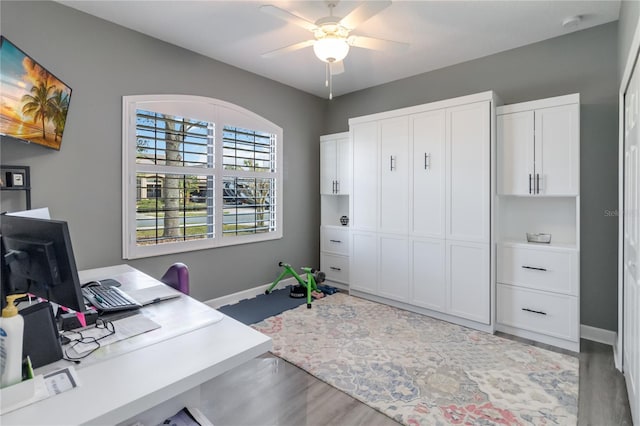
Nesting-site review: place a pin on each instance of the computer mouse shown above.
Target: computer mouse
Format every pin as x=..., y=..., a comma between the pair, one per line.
x=110, y=282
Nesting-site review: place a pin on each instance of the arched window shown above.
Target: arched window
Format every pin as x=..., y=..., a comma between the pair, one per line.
x=197, y=173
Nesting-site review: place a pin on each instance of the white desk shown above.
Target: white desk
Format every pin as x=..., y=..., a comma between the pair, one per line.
x=129, y=380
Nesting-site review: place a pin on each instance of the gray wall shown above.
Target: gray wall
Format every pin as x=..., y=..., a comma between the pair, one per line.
x=584, y=62
x=629, y=17
x=82, y=182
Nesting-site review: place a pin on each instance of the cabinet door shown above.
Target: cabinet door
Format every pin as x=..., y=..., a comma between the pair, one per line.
x=328, y=166
x=515, y=153
x=394, y=267
x=468, y=278
x=428, y=274
x=364, y=197
x=394, y=174
x=343, y=157
x=557, y=150
x=468, y=181
x=363, y=265
x=427, y=133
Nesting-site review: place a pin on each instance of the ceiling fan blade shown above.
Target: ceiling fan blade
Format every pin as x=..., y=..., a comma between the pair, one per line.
x=378, y=44
x=337, y=68
x=288, y=16
x=363, y=12
x=287, y=49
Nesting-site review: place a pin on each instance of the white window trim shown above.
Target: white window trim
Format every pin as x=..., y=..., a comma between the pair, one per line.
x=222, y=114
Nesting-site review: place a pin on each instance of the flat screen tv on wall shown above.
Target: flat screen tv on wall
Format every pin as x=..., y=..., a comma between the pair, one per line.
x=34, y=103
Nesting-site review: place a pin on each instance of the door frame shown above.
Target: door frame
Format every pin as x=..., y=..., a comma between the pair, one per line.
x=632, y=56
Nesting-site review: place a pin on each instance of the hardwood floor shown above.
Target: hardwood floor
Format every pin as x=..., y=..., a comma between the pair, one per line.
x=270, y=391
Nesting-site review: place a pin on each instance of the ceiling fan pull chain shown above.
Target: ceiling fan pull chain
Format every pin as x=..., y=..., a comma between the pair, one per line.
x=327, y=74
x=330, y=80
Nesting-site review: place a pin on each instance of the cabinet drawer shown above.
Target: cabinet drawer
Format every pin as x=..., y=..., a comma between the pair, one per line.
x=335, y=240
x=551, y=314
x=542, y=269
x=335, y=267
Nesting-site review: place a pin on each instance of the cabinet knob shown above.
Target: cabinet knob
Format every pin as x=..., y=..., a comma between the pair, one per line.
x=335, y=241
x=333, y=268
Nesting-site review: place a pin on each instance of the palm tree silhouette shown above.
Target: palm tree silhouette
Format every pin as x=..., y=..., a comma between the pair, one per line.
x=38, y=104
x=59, y=105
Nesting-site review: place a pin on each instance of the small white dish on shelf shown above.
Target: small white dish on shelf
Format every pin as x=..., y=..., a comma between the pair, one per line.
x=538, y=238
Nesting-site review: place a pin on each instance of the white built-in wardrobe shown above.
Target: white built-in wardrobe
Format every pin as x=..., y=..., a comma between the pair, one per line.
x=421, y=208
x=440, y=201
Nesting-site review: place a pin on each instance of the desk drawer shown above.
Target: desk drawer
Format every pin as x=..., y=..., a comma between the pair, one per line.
x=551, y=314
x=335, y=267
x=537, y=268
x=335, y=240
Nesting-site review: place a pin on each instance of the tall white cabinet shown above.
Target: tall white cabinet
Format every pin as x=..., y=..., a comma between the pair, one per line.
x=421, y=208
x=335, y=185
x=538, y=284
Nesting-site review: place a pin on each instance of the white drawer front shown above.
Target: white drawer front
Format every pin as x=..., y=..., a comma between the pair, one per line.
x=550, y=270
x=552, y=314
x=335, y=267
x=335, y=240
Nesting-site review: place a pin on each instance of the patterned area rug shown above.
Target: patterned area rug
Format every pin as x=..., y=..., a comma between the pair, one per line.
x=422, y=371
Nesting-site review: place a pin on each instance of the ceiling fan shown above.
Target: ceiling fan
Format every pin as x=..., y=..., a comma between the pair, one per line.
x=332, y=36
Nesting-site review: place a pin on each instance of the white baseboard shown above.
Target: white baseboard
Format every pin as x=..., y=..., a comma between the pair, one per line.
x=234, y=298
x=599, y=335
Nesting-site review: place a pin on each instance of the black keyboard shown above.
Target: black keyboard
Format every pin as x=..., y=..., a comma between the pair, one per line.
x=107, y=298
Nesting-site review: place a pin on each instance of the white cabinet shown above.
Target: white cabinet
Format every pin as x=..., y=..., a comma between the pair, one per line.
x=428, y=273
x=468, y=280
x=334, y=240
x=334, y=255
x=335, y=183
x=539, y=312
x=394, y=174
x=427, y=136
x=421, y=208
x=538, y=285
x=363, y=262
x=335, y=267
x=394, y=267
x=550, y=269
x=364, y=192
x=468, y=184
x=538, y=147
x=334, y=164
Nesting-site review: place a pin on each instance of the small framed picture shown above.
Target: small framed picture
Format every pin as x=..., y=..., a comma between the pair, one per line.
x=18, y=179
x=15, y=179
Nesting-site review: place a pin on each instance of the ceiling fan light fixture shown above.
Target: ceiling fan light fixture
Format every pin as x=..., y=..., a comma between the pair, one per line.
x=331, y=49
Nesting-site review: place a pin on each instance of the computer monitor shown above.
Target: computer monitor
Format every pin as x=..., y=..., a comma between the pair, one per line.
x=38, y=259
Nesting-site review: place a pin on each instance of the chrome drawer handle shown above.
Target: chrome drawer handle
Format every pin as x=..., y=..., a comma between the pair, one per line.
x=534, y=268
x=335, y=241
x=333, y=268
x=534, y=312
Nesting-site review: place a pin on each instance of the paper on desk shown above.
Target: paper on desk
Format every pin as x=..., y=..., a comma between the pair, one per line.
x=44, y=387
x=124, y=328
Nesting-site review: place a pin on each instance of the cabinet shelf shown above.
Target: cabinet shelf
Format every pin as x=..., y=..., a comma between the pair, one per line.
x=542, y=246
x=16, y=179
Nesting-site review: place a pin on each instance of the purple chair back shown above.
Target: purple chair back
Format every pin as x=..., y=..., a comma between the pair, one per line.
x=177, y=276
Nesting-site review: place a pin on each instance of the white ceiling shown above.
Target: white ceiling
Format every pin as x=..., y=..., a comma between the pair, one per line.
x=440, y=33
